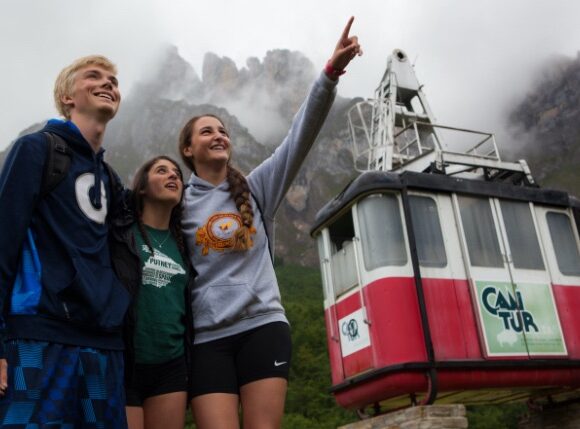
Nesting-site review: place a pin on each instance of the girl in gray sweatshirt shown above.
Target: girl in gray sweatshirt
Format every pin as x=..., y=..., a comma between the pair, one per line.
x=242, y=340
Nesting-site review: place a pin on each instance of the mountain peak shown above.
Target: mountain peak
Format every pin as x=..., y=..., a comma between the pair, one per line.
x=172, y=78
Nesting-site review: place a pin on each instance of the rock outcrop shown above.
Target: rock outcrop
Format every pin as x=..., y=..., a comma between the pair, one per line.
x=548, y=120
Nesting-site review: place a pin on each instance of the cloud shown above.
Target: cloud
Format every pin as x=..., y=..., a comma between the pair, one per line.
x=37, y=39
x=475, y=58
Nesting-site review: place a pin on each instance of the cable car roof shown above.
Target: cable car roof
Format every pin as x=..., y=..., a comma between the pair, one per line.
x=377, y=181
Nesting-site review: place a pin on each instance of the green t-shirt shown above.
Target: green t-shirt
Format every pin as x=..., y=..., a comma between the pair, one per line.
x=160, y=327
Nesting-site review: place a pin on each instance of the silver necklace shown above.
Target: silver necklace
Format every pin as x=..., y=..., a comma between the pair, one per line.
x=160, y=244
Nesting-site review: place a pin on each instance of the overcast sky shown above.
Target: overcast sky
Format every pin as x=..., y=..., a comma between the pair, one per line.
x=475, y=58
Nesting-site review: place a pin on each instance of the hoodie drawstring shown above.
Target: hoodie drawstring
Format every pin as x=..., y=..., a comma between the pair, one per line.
x=97, y=185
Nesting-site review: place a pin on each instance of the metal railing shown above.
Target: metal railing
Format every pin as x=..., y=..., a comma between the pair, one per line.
x=378, y=144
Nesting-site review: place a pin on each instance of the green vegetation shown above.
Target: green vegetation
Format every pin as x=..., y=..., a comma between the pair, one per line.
x=495, y=416
x=309, y=403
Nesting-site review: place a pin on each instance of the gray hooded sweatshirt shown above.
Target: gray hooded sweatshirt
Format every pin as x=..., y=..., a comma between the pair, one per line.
x=236, y=291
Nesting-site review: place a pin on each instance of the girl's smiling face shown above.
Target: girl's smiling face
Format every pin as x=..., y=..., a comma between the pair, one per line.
x=210, y=143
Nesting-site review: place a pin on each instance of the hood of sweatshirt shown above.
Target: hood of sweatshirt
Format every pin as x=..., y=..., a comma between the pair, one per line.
x=197, y=184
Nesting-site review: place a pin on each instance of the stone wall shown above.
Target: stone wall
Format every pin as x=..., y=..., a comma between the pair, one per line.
x=420, y=417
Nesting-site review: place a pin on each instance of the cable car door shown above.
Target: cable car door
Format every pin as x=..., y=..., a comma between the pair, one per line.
x=510, y=284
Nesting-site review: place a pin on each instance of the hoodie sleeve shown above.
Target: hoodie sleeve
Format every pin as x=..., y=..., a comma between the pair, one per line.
x=272, y=178
x=20, y=182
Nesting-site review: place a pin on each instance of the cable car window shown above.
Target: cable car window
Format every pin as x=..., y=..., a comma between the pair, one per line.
x=480, y=234
x=343, y=265
x=382, y=238
x=340, y=231
x=427, y=228
x=565, y=247
x=521, y=235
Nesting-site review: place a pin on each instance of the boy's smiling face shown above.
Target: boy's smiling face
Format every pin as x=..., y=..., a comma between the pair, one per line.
x=95, y=93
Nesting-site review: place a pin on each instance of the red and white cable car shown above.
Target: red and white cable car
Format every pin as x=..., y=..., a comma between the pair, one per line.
x=447, y=276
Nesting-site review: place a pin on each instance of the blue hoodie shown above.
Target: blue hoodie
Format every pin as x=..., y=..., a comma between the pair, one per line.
x=56, y=280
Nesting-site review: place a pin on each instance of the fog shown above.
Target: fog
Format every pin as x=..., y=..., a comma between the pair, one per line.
x=476, y=59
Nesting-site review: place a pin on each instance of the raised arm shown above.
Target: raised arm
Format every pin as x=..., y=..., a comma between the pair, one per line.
x=271, y=179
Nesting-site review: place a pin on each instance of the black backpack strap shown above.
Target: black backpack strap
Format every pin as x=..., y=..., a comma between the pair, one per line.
x=57, y=164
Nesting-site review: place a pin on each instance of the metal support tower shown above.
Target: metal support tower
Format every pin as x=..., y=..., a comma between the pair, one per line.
x=396, y=131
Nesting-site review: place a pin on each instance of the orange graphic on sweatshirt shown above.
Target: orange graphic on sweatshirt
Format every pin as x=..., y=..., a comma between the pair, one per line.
x=219, y=232
x=226, y=226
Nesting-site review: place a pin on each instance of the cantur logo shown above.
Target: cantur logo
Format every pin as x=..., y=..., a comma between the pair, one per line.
x=350, y=329
x=509, y=308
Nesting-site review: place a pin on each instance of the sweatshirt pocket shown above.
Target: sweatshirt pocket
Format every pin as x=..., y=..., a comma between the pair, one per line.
x=94, y=297
x=221, y=305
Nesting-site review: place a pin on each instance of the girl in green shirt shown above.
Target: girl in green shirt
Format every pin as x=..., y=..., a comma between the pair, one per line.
x=149, y=255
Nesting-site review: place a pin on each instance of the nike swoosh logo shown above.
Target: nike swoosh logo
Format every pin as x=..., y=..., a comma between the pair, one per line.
x=276, y=363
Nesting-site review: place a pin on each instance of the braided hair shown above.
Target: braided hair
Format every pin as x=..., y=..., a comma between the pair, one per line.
x=238, y=186
x=240, y=193
x=140, y=183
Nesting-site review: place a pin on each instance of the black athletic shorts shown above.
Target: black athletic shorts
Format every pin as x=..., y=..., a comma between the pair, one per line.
x=156, y=379
x=223, y=365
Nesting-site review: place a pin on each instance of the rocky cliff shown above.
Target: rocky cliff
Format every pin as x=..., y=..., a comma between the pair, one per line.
x=548, y=121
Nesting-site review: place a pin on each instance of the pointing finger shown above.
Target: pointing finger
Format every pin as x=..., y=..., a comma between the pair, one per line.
x=347, y=28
